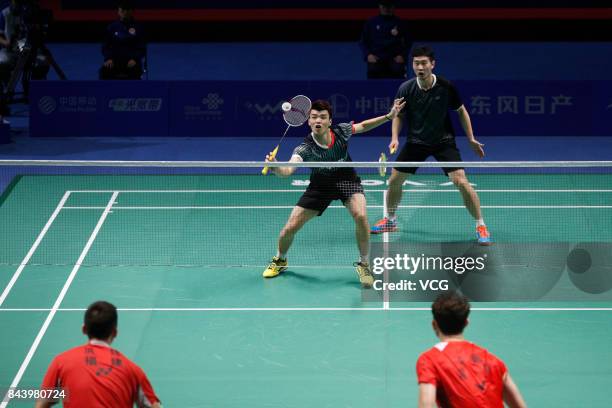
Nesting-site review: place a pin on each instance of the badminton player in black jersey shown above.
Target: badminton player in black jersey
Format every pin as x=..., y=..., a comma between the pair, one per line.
x=329, y=143
x=430, y=133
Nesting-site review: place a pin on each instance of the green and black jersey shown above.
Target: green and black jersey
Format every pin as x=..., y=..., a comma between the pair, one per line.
x=337, y=151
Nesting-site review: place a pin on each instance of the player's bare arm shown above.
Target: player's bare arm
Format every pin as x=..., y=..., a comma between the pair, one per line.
x=512, y=395
x=466, y=124
x=427, y=396
x=370, y=124
x=396, y=128
x=284, y=171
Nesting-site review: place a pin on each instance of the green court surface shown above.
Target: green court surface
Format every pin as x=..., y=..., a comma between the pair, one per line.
x=181, y=256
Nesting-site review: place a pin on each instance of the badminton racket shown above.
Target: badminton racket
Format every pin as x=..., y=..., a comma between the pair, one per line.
x=298, y=109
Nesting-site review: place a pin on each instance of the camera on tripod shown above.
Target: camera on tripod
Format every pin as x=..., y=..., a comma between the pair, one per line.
x=27, y=57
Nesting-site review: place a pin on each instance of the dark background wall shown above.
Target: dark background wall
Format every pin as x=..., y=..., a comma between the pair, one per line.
x=338, y=20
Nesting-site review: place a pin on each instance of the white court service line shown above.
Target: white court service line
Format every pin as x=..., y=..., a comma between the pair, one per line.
x=295, y=190
x=33, y=248
x=386, y=293
x=319, y=309
x=60, y=298
x=276, y=207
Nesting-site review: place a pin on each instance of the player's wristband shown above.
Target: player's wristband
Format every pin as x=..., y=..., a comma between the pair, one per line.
x=387, y=117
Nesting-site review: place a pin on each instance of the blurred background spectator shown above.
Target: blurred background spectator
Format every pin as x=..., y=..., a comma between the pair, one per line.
x=23, y=53
x=385, y=43
x=124, y=46
x=7, y=34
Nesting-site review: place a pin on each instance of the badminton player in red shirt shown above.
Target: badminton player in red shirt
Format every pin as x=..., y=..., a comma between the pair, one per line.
x=459, y=374
x=95, y=375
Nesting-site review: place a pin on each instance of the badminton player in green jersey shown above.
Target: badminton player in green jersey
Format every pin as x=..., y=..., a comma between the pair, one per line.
x=329, y=143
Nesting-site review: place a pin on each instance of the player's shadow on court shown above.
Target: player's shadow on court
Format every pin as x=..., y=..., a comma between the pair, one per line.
x=350, y=280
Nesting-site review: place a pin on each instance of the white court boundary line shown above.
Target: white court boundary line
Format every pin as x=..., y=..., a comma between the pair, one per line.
x=34, y=247
x=317, y=309
x=412, y=190
x=385, y=240
x=356, y=164
x=277, y=207
x=60, y=298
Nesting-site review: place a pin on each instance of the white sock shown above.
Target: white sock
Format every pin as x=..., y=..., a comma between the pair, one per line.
x=365, y=259
x=479, y=222
x=281, y=256
x=392, y=218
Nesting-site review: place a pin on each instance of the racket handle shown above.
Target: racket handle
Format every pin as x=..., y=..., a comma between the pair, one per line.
x=264, y=171
x=392, y=150
x=383, y=162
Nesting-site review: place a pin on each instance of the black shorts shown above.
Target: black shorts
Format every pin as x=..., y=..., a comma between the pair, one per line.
x=317, y=197
x=414, y=152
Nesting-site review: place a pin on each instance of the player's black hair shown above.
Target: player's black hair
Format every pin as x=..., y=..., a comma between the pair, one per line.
x=100, y=320
x=423, y=51
x=450, y=311
x=321, y=105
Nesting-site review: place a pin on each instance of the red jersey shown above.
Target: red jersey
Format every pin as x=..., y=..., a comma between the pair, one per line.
x=97, y=376
x=465, y=375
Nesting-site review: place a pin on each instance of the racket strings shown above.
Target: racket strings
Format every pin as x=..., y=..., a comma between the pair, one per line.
x=300, y=108
x=382, y=170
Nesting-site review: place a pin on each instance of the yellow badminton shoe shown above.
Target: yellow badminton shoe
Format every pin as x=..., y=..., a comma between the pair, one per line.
x=275, y=267
x=365, y=275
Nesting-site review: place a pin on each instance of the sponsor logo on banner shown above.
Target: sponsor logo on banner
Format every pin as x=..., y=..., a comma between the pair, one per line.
x=47, y=105
x=68, y=104
x=209, y=108
x=212, y=101
x=265, y=111
x=515, y=104
x=373, y=105
x=176, y=108
x=135, y=104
